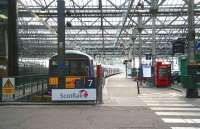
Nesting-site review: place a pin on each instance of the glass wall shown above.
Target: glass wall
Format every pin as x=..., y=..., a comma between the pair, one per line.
x=3, y=37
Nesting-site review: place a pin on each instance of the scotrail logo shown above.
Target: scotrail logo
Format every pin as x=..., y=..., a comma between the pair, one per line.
x=84, y=93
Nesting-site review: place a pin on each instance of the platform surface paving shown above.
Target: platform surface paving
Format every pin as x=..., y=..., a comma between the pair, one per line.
x=123, y=108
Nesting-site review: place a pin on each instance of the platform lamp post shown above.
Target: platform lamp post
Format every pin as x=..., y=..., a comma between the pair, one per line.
x=139, y=9
x=61, y=41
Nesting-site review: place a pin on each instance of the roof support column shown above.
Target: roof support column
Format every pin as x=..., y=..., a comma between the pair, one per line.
x=191, y=92
x=154, y=39
x=102, y=31
x=140, y=40
x=61, y=41
x=132, y=38
x=12, y=39
x=140, y=8
x=191, y=31
x=153, y=11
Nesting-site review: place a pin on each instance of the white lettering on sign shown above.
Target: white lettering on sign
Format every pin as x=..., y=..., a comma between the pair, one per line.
x=90, y=82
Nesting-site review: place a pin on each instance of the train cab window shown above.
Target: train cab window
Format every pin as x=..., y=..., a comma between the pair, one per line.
x=79, y=68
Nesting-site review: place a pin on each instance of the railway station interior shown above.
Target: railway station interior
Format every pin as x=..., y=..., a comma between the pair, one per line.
x=99, y=64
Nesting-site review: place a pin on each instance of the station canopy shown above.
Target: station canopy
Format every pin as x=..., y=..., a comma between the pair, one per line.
x=107, y=28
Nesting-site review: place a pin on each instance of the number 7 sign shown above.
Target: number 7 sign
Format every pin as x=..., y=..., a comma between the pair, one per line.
x=90, y=83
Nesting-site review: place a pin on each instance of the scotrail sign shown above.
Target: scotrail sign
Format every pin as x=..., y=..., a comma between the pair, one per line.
x=73, y=94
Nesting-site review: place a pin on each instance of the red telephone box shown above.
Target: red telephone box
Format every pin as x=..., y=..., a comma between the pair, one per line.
x=162, y=74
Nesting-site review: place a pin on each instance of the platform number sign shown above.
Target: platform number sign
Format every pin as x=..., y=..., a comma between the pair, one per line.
x=90, y=83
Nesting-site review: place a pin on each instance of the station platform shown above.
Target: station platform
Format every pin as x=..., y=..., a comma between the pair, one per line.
x=122, y=108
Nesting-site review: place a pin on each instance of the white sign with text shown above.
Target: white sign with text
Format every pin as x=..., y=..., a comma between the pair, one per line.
x=73, y=94
x=146, y=70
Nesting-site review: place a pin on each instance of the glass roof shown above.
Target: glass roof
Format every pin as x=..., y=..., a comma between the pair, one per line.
x=108, y=25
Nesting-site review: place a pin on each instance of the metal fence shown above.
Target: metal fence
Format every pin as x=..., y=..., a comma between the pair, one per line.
x=25, y=86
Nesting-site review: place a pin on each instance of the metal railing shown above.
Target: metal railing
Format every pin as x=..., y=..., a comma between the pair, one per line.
x=26, y=86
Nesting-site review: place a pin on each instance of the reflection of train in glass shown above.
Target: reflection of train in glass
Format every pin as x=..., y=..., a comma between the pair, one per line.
x=30, y=68
x=25, y=68
x=78, y=68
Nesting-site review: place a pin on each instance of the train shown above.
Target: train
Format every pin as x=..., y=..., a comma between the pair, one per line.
x=78, y=67
x=109, y=70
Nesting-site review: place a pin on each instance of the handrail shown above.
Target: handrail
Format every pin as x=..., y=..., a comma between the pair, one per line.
x=29, y=75
x=26, y=85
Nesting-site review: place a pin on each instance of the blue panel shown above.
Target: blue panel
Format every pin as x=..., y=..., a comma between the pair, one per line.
x=61, y=65
x=197, y=46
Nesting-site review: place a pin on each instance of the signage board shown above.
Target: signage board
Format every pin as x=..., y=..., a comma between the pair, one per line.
x=148, y=56
x=8, y=86
x=129, y=72
x=90, y=83
x=197, y=46
x=178, y=46
x=72, y=82
x=146, y=70
x=73, y=94
x=53, y=81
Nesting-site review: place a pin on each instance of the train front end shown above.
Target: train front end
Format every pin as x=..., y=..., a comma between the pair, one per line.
x=78, y=76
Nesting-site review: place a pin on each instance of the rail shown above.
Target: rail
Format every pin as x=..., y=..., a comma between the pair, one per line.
x=25, y=86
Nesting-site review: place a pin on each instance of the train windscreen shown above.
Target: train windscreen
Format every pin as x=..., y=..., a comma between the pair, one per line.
x=73, y=67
